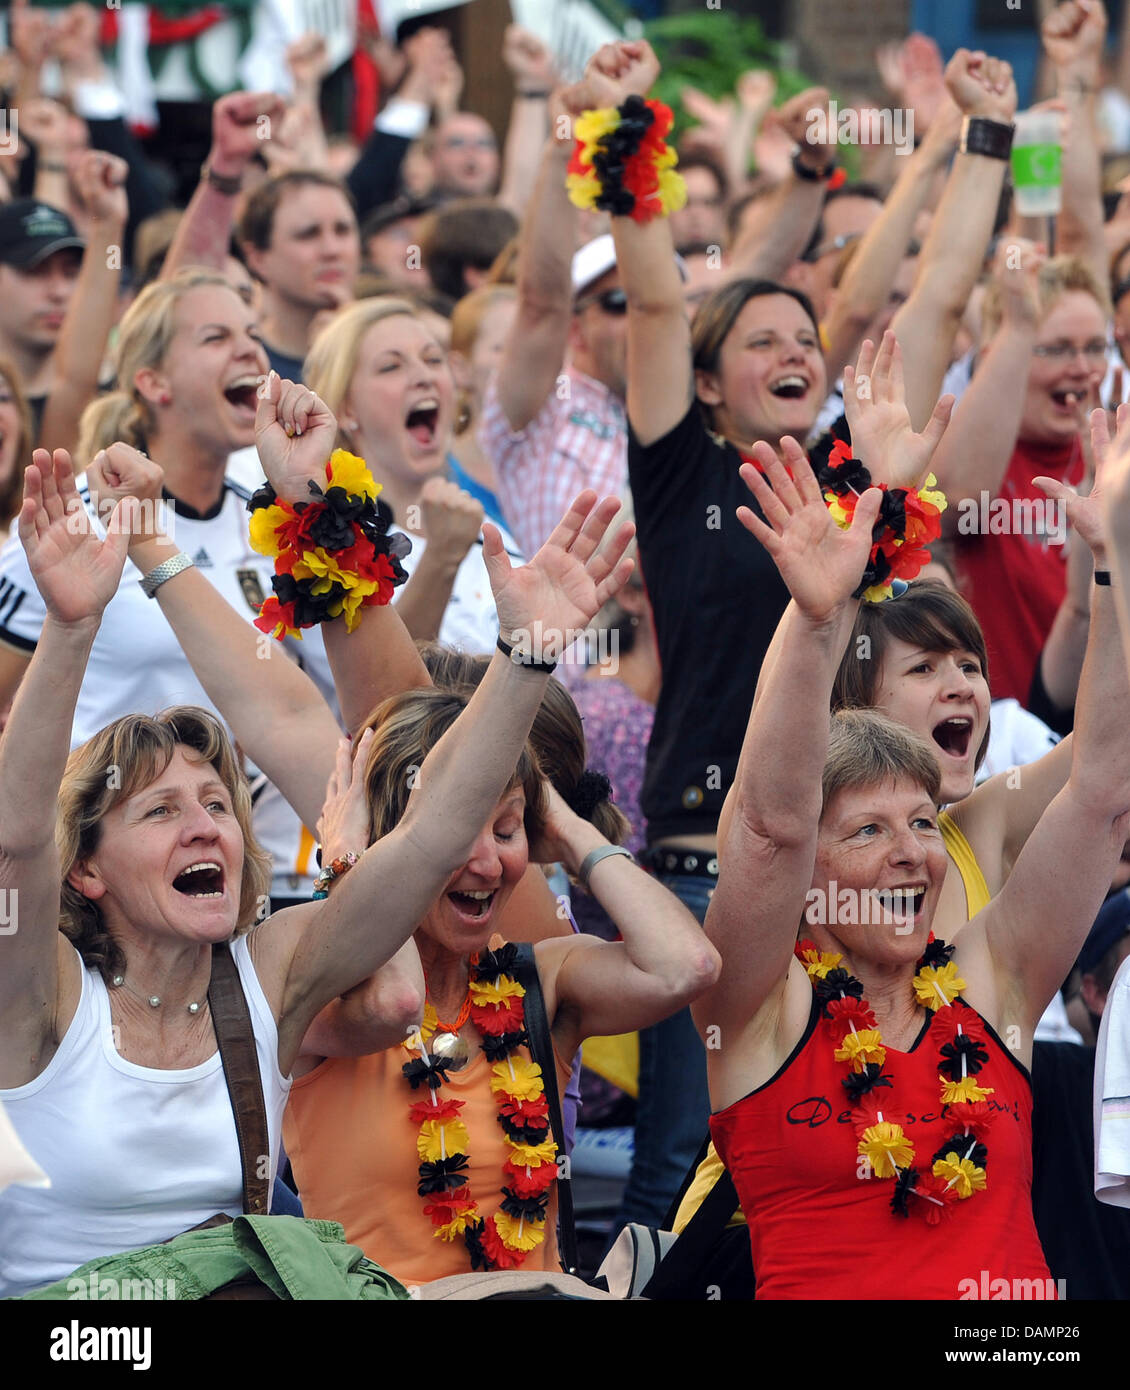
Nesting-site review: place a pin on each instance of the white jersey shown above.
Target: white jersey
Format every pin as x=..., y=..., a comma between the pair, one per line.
x=470, y=622
x=136, y=665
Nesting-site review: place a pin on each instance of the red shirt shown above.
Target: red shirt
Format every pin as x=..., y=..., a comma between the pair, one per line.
x=1014, y=568
x=820, y=1231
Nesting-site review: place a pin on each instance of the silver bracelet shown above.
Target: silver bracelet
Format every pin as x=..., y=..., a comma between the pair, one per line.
x=166, y=570
x=593, y=858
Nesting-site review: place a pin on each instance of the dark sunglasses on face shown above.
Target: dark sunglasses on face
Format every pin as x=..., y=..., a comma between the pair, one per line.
x=609, y=301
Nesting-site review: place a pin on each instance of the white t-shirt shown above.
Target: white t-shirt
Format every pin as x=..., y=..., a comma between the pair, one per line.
x=470, y=621
x=135, y=1154
x=136, y=665
x=1112, y=1095
x=1016, y=737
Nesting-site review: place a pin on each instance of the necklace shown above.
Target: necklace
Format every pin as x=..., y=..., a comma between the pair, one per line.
x=154, y=1000
x=446, y=1037
x=957, y=1168
x=505, y=1239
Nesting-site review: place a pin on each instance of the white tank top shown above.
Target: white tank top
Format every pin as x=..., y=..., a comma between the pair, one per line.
x=135, y=1154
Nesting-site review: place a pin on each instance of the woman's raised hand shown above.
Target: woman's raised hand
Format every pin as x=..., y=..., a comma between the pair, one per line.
x=76, y=573
x=1085, y=514
x=544, y=604
x=821, y=564
x=343, y=825
x=882, y=436
x=122, y=471
x=295, y=434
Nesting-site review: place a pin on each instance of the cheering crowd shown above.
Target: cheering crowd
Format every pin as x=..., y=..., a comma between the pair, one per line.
x=622, y=634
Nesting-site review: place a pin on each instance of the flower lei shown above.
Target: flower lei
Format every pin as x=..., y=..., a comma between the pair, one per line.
x=622, y=163
x=497, y=1011
x=909, y=519
x=957, y=1168
x=332, y=555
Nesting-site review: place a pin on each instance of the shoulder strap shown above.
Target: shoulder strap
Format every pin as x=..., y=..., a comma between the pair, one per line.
x=541, y=1048
x=236, y=1040
x=694, y=1246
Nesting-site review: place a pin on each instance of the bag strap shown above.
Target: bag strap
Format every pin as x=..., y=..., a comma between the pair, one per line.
x=541, y=1048
x=236, y=1040
x=695, y=1244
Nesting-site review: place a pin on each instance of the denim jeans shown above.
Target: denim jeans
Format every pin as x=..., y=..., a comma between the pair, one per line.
x=673, y=1110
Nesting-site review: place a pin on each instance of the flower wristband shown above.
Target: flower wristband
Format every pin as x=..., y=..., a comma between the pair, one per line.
x=333, y=555
x=336, y=870
x=909, y=519
x=622, y=164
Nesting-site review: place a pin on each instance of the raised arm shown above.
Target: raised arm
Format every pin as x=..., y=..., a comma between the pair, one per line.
x=959, y=233
x=530, y=65
x=1073, y=36
x=1116, y=522
x=866, y=286
x=781, y=224
x=768, y=845
x=101, y=180
x=77, y=575
x=204, y=232
x=342, y=940
x=973, y=457
x=660, y=379
x=999, y=818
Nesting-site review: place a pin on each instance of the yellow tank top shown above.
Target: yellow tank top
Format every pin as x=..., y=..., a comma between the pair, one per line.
x=977, y=896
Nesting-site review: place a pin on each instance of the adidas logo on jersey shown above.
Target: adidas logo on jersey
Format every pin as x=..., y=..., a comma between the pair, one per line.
x=202, y=560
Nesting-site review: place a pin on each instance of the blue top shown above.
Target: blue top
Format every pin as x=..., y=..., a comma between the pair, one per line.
x=481, y=494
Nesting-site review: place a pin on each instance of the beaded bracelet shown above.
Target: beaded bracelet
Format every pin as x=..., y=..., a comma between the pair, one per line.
x=335, y=870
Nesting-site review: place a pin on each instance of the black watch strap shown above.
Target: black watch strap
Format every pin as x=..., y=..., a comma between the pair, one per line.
x=525, y=659
x=802, y=171
x=979, y=135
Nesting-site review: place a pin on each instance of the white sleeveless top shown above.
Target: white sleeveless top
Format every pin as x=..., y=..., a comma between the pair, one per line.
x=135, y=1154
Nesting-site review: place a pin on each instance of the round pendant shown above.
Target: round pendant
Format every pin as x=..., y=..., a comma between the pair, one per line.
x=453, y=1047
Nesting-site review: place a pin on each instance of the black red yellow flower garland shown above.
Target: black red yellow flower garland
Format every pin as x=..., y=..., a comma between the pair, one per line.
x=909, y=519
x=621, y=163
x=497, y=1011
x=958, y=1166
x=333, y=555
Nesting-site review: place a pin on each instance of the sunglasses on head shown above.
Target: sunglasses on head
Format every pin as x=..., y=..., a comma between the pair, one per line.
x=610, y=301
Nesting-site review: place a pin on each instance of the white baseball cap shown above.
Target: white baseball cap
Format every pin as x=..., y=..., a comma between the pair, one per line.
x=598, y=257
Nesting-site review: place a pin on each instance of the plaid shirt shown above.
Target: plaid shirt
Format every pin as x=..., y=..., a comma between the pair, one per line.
x=571, y=444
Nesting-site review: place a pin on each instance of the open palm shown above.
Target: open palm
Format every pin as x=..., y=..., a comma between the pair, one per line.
x=295, y=434
x=881, y=432
x=76, y=573
x=820, y=563
x=566, y=583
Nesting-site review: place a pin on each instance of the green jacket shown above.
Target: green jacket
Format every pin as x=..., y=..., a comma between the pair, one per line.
x=295, y=1258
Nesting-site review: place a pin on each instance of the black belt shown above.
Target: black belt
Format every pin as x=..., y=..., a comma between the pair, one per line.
x=662, y=860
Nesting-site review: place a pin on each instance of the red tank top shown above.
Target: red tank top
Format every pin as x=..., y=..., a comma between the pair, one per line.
x=819, y=1231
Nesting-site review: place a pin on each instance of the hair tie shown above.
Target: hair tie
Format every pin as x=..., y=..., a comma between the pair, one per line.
x=590, y=791
x=909, y=519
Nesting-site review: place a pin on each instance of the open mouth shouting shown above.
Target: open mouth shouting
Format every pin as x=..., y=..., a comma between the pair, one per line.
x=904, y=903
x=473, y=906
x=953, y=736
x=204, y=879
x=792, y=387
x=242, y=395
x=422, y=420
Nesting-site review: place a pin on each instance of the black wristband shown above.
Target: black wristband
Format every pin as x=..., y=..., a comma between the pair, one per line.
x=520, y=659
x=802, y=171
x=540, y=94
x=979, y=135
x=227, y=184
x=1102, y=577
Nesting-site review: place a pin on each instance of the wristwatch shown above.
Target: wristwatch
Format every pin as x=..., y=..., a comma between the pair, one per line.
x=979, y=135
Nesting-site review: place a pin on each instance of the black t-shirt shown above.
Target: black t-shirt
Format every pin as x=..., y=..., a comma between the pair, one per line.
x=717, y=599
x=289, y=368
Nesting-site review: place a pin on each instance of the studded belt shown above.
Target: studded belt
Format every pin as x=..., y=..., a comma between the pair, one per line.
x=664, y=860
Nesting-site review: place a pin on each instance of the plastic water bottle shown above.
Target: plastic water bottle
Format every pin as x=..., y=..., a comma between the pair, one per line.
x=1037, y=163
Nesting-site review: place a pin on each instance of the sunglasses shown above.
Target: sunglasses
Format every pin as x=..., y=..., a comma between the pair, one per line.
x=610, y=301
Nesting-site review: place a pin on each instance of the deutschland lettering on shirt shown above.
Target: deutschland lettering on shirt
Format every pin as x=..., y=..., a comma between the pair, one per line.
x=815, y=1111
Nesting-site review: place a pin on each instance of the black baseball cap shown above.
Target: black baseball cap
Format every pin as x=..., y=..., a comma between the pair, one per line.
x=30, y=231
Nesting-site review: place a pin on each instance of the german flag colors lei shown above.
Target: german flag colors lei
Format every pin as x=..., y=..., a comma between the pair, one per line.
x=622, y=164
x=505, y=1239
x=333, y=555
x=957, y=1168
x=909, y=519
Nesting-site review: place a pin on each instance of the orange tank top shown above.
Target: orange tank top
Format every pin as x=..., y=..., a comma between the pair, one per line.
x=352, y=1145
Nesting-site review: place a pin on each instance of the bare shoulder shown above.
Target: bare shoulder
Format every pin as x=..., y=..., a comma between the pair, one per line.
x=272, y=944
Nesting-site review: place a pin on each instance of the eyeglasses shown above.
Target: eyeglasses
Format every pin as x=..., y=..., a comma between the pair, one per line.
x=1095, y=352
x=609, y=301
